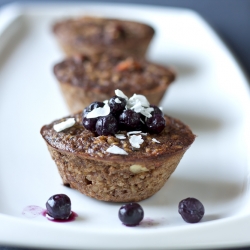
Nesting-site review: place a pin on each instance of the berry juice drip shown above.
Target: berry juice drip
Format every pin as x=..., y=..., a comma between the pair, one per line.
x=72, y=217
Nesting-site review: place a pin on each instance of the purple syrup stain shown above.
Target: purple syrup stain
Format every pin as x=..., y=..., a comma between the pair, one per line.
x=33, y=211
x=148, y=222
x=72, y=217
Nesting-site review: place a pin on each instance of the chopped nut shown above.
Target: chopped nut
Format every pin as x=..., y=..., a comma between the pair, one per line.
x=137, y=169
x=128, y=64
x=174, y=137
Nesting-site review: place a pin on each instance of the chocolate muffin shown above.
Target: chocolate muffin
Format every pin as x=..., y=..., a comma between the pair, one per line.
x=114, y=163
x=95, y=36
x=84, y=79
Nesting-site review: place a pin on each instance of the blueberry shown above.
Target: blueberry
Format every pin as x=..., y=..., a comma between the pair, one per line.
x=89, y=123
x=191, y=210
x=92, y=106
x=129, y=120
x=155, y=124
x=117, y=105
x=106, y=125
x=156, y=111
x=59, y=206
x=131, y=214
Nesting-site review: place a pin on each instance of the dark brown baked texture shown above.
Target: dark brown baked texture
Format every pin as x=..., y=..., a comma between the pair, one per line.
x=85, y=79
x=85, y=165
x=95, y=36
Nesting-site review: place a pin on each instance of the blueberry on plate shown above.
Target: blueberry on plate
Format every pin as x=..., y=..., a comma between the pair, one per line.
x=131, y=214
x=59, y=206
x=191, y=210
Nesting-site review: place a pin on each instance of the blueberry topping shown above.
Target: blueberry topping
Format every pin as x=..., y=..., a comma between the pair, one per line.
x=92, y=106
x=191, y=210
x=106, y=125
x=89, y=123
x=117, y=105
x=59, y=206
x=156, y=111
x=119, y=114
x=131, y=214
x=129, y=120
x=155, y=124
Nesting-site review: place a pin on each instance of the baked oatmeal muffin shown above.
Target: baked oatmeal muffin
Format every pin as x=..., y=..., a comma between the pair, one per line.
x=123, y=150
x=85, y=79
x=95, y=36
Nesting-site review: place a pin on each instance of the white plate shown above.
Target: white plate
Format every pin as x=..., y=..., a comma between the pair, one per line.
x=211, y=95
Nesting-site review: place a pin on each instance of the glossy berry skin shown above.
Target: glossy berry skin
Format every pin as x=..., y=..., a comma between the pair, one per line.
x=131, y=214
x=117, y=108
x=92, y=106
x=89, y=123
x=191, y=210
x=59, y=206
x=155, y=124
x=129, y=120
x=156, y=111
x=106, y=125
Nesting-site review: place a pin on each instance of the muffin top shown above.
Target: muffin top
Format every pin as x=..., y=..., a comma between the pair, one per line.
x=113, y=71
x=76, y=139
x=101, y=31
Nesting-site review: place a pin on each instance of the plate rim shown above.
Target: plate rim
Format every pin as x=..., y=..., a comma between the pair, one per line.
x=19, y=9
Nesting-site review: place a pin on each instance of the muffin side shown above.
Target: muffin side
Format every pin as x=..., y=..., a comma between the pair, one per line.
x=114, y=181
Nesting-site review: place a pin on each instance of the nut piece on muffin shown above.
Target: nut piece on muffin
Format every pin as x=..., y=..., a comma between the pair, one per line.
x=121, y=150
x=95, y=36
x=85, y=79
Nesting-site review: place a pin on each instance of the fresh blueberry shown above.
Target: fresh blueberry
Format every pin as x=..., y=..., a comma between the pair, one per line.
x=89, y=123
x=155, y=124
x=106, y=125
x=191, y=210
x=92, y=106
x=131, y=214
x=59, y=206
x=117, y=105
x=129, y=120
x=156, y=111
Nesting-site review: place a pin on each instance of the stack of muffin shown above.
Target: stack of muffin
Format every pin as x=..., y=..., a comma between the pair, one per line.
x=103, y=56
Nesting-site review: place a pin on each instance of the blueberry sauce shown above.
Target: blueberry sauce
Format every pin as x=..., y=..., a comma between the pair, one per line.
x=71, y=217
x=34, y=211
